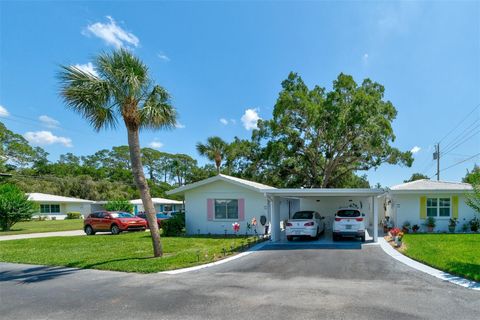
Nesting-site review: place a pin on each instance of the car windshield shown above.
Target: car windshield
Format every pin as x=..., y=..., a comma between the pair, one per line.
x=348, y=213
x=303, y=215
x=121, y=215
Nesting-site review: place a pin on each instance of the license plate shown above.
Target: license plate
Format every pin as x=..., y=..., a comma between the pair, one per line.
x=348, y=226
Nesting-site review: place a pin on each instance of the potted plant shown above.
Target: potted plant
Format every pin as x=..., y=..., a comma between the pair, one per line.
x=415, y=228
x=452, y=224
x=398, y=239
x=430, y=223
x=387, y=224
x=474, y=224
x=406, y=227
x=394, y=232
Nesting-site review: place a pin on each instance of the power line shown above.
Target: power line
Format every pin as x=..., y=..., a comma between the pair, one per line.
x=457, y=163
x=465, y=118
x=471, y=128
x=461, y=142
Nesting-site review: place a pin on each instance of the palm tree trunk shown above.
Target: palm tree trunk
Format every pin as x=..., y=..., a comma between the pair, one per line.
x=139, y=176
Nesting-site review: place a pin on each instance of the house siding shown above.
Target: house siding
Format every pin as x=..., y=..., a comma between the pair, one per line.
x=83, y=208
x=196, y=208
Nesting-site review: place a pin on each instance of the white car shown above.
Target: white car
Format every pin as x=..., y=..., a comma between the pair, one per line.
x=349, y=222
x=305, y=224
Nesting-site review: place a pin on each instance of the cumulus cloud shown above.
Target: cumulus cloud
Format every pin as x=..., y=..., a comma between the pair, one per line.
x=88, y=67
x=47, y=138
x=250, y=118
x=223, y=121
x=365, y=58
x=112, y=34
x=179, y=125
x=4, y=112
x=49, y=122
x=155, y=144
x=163, y=56
x=415, y=149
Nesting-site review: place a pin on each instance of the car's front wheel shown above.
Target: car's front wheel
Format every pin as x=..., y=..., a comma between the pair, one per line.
x=115, y=229
x=89, y=231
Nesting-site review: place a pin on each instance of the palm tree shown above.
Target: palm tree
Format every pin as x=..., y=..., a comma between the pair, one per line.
x=215, y=150
x=121, y=90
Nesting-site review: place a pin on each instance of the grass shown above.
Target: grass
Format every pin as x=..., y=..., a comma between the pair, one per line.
x=36, y=226
x=457, y=254
x=130, y=252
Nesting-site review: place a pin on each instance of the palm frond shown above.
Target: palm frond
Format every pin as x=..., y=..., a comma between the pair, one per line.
x=157, y=111
x=88, y=95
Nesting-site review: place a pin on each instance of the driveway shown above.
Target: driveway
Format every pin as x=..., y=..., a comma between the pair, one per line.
x=274, y=283
x=43, y=235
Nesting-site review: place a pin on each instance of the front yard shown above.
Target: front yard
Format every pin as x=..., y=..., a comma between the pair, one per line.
x=457, y=254
x=35, y=226
x=130, y=252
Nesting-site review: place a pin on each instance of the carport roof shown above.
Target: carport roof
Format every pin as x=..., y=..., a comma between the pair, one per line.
x=322, y=192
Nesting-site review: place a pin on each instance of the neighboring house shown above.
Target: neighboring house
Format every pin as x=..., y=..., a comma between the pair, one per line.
x=161, y=205
x=415, y=201
x=214, y=204
x=57, y=207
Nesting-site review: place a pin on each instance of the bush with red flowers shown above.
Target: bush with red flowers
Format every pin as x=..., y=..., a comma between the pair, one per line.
x=394, y=232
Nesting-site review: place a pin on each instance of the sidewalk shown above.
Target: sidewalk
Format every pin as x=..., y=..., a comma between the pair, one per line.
x=43, y=235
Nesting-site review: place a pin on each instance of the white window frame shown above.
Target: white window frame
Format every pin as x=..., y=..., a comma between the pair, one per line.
x=49, y=205
x=224, y=219
x=438, y=216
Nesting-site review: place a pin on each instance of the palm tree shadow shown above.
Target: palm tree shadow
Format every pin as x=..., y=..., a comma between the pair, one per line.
x=35, y=274
x=79, y=264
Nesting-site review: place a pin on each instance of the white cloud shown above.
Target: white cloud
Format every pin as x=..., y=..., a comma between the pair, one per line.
x=415, y=149
x=47, y=138
x=365, y=58
x=112, y=34
x=163, y=56
x=89, y=68
x=250, y=118
x=4, y=112
x=155, y=144
x=49, y=122
x=223, y=121
x=179, y=125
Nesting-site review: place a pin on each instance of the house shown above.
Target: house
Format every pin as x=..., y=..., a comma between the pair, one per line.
x=57, y=207
x=415, y=201
x=161, y=205
x=213, y=204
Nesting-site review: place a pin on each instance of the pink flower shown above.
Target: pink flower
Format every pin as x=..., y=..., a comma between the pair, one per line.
x=254, y=221
x=236, y=227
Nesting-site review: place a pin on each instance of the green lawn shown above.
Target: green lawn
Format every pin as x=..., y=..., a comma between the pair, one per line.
x=130, y=252
x=458, y=254
x=35, y=226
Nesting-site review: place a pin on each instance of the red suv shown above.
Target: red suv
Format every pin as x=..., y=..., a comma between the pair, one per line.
x=115, y=222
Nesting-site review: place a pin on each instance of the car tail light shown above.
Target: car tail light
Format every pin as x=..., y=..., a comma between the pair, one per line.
x=359, y=219
x=289, y=224
x=309, y=224
x=338, y=219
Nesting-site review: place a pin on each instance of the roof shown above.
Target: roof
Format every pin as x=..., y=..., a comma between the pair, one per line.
x=44, y=197
x=432, y=186
x=157, y=201
x=331, y=192
x=255, y=186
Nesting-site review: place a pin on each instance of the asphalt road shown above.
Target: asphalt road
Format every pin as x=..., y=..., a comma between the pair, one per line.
x=268, y=284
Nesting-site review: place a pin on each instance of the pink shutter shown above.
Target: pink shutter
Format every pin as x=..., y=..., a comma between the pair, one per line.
x=209, y=209
x=241, y=209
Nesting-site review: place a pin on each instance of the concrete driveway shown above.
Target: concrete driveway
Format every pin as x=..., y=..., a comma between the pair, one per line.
x=278, y=283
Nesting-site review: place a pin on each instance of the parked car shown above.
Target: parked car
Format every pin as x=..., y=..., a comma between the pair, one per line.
x=349, y=222
x=305, y=224
x=160, y=218
x=112, y=221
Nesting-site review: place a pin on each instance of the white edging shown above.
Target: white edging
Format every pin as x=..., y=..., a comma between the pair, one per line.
x=445, y=276
x=216, y=263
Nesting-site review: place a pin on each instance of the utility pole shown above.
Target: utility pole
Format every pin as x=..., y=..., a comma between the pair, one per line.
x=436, y=156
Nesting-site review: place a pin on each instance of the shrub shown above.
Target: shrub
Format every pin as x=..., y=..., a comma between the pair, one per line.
x=14, y=206
x=406, y=227
x=174, y=226
x=431, y=222
x=474, y=224
x=73, y=215
x=415, y=227
x=119, y=205
x=394, y=232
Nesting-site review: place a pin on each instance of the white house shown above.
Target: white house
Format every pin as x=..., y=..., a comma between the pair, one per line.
x=57, y=207
x=161, y=205
x=415, y=201
x=213, y=204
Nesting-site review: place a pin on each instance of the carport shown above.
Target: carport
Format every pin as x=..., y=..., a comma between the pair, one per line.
x=282, y=203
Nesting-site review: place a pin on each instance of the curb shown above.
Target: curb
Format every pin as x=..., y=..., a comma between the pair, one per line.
x=216, y=263
x=445, y=276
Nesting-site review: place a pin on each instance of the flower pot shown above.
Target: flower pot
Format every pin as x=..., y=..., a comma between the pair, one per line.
x=398, y=242
x=430, y=229
x=451, y=229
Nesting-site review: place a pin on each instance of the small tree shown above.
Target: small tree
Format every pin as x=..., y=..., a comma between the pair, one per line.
x=473, y=199
x=14, y=206
x=119, y=205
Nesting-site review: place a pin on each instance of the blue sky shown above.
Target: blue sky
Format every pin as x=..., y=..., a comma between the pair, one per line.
x=222, y=61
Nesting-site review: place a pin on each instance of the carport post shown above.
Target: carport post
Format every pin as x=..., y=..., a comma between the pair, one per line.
x=275, y=222
x=375, y=218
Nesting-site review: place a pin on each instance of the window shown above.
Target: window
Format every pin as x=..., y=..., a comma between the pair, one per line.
x=350, y=213
x=49, y=208
x=300, y=215
x=438, y=207
x=226, y=209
